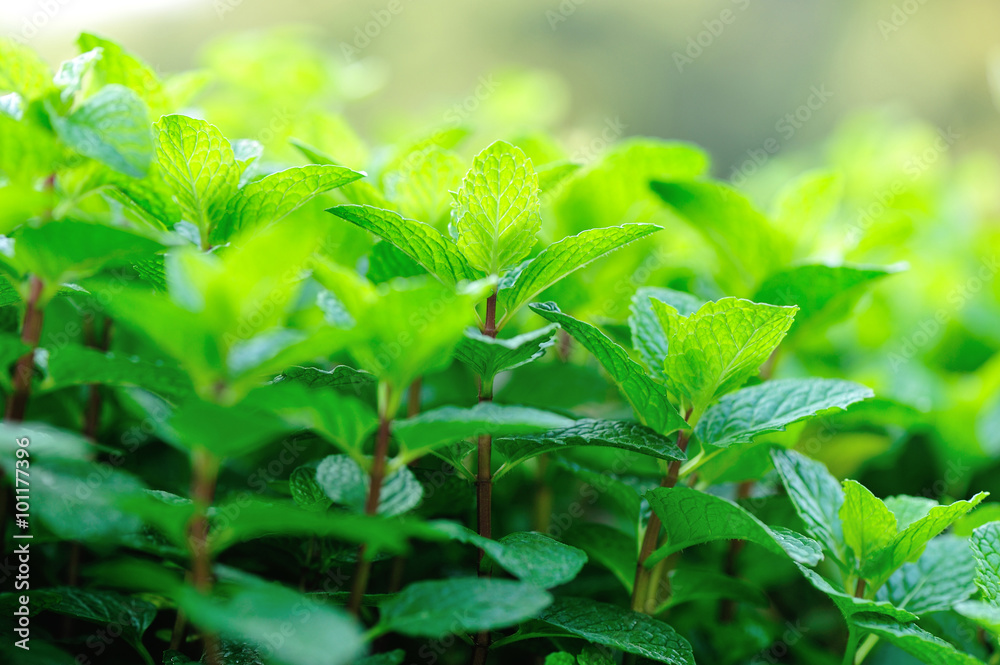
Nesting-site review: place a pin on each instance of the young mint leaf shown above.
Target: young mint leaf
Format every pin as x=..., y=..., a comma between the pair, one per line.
x=252, y=613
x=908, y=544
x=741, y=416
x=564, y=257
x=611, y=626
x=439, y=427
x=937, y=581
x=914, y=640
x=111, y=127
x=531, y=557
x=270, y=199
x=648, y=337
x=340, y=376
x=985, y=545
x=496, y=210
x=346, y=483
x=22, y=71
x=648, y=398
x=816, y=495
x=117, y=66
x=306, y=492
x=70, y=77
x=623, y=435
x=868, y=525
x=421, y=242
x=151, y=200
x=488, y=356
x=909, y=509
x=691, y=517
x=436, y=609
x=198, y=164
x=607, y=546
x=716, y=349
x=851, y=605
x=822, y=292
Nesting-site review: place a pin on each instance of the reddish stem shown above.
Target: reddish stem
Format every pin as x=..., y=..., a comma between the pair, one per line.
x=31, y=333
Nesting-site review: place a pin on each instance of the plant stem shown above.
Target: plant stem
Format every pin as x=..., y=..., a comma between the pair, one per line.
x=866, y=648
x=363, y=569
x=413, y=401
x=852, y=647
x=859, y=589
x=204, y=473
x=543, y=496
x=31, y=333
x=640, y=588
x=484, y=479
x=727, y=606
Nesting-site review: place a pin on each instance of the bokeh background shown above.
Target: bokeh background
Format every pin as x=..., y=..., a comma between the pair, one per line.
x=879, y=118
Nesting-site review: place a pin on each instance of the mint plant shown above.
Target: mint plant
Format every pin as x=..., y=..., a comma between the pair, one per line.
x=445, y=431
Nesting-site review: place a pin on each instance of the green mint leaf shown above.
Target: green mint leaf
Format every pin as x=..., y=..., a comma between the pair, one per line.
x=648, y=398
x=132, y=616
x=805, y=204
x=197, y=163
x=823, y=293
x=908, y=544
x=560, y=658
x=909, y=509
x=151, y=199
x=306, y=492
x=436, y=609
x=691, y=517
x=983, y=614
x=439, y=427
x=817, y=497
x=22, y=70
x=345, y=483
x=691, y=584
x=914, y=640
x=531, y=557
x=387, y=262
x=716, y=349
x=940, y=579
x=340, y=376
x=117, y=66
x=79, y=366
x=619, y=434
x=249, y=614
x=496, y=210
x=421, y=187
x=421, y=242
x=28, y=152
x=397, y=657
x=488, y=356
x=564, y=257
x=611, y=626
x=648, y=337
x=851, y=605
x=272, y=198
x=608, y=547
x=741, y=416
x=868, y=525
x=112, y=127
x=742, y=237
x=985, y=544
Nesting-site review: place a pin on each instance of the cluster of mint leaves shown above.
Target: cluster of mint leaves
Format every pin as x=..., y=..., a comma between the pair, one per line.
x=238, y=330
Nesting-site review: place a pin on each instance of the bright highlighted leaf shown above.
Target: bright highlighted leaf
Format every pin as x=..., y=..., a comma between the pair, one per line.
x=112, y=126
x=648, y=337
x=868, y=525
x=22, y=70
x=438, y=608
x=496, y=210
x=816, y=495
x=648, y=398
x=612, y=626
x=268, y=200
x=117, y=66
x=488, y=356
x=198, y=164
x=741, y=416
x=562, y=258
x=623, y=435
x=716, y=349
x=914, y=640
x=421, y=242
x=985, y=544
x=691, y=517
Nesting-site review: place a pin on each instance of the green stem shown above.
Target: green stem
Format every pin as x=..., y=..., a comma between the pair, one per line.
x=364, y=566
x=866, y=648
x=852, y=646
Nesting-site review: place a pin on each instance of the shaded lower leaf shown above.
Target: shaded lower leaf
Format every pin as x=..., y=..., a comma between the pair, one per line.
x=914, y=640
x=938, y=580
